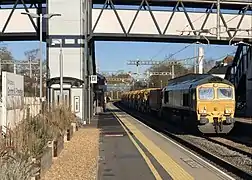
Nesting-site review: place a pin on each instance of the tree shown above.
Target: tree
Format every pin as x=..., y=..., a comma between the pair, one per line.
x=5, y=54
x=161, y=81
x=209, y=64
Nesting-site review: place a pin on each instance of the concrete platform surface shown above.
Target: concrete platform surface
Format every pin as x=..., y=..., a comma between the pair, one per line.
x=139, y=153
x=119, y=158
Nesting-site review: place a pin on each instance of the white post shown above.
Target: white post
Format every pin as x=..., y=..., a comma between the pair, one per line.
x=30, y=67
x=61, y=73
x=89, y=99
x=15, y=68
x=173, y=73
x=41, y=57
x=200, y=60
x=218, y=19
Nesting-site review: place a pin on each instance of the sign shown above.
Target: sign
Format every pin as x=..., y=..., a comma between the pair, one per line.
x=93, y=79
x=12, y=96
x=12, y=90
x=76, y=104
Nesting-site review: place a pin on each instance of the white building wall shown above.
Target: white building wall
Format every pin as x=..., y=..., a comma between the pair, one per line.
x=69, y=29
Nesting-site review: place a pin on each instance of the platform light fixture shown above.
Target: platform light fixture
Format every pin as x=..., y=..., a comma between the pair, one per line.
x=241, y=42
x=61, y=66
x=236, y=30
x=41, y=16
x=207, y=31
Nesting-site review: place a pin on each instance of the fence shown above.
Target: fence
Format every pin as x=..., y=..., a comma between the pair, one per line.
x=13, y=116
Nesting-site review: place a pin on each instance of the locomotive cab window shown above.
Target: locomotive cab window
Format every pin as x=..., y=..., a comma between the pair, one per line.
x=206, y=93
x=224, y=93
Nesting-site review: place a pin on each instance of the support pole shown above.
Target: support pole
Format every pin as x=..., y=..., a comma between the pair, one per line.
x=218, y=20
x=30, y=67
x=41, y=58
x=0, y=66
x=84, y=66
x=15, y=68
x=195, y=60
x=137, y=69
x=61, y=73
x=89, y=99
x=200, y=60
x=173, y=73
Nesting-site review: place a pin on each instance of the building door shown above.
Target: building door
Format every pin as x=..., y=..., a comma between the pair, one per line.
x=66, y=97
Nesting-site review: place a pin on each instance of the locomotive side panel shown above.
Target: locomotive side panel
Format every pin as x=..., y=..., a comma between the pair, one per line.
x=155, y=99
x=177, y=99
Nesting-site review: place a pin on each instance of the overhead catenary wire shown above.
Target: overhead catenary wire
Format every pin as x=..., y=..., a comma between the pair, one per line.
x=193, y=22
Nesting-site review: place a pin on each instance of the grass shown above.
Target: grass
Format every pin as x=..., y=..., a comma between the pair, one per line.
x=28, y=140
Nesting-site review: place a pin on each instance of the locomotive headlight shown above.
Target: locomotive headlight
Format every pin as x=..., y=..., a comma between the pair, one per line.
x=203, y=111
x=228, y=111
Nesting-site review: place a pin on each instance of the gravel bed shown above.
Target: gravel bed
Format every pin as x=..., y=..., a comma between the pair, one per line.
x=234, y=144
x=235, y=158
x=78, y=160
x=243, y=139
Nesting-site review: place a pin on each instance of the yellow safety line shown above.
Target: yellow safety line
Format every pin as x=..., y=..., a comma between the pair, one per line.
x=147, y=160
x=171, y=167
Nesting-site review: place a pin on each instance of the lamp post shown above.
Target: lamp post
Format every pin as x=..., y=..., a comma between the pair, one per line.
x=195, y=54
x=61, y=68
x=40, y=16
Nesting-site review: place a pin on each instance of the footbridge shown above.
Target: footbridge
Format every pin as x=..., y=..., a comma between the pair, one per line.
x=83, y=22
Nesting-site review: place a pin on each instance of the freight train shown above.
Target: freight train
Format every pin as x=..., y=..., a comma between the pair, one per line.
x=203, y=102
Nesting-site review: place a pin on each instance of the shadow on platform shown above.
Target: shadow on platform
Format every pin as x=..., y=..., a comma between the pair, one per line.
x=109, y=124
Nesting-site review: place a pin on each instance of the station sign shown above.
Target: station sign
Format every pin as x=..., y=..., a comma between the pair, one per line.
x=93, y=79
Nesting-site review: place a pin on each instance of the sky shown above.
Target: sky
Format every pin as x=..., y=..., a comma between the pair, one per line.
x=113, y=56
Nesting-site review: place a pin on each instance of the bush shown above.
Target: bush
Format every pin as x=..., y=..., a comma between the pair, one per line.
x=15, y=165
x=29, y=139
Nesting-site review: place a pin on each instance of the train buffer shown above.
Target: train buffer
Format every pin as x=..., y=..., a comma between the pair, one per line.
x=131, y=150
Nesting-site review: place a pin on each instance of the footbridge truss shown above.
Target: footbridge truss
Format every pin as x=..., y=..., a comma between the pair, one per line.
x=140, y=20
x=172, y=21
x=17, y=27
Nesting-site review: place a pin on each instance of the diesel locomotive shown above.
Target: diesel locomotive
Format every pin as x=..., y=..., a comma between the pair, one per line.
x=202, y=101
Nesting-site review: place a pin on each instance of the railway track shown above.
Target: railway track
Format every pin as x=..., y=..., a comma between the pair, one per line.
x=237, y=147
x=196, y=145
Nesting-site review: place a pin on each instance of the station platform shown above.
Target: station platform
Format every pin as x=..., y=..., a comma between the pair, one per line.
x=243, y=120
x=131, y=150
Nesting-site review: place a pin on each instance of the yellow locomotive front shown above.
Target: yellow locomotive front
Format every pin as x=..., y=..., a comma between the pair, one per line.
x=215, y=107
